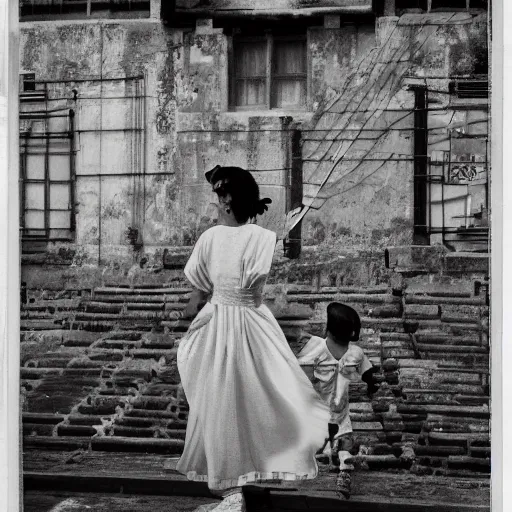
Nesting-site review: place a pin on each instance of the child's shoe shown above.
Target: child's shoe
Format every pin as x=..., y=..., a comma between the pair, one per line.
x=343, y=484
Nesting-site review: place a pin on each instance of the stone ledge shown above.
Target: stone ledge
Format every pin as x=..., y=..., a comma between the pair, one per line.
x=415, y=258
x=467, y=262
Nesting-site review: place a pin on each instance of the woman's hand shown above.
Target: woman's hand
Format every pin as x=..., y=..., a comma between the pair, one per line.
x=197, y=300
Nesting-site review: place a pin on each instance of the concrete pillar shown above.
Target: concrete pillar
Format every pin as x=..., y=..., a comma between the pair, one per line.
x=154, y=8
x=389, y=8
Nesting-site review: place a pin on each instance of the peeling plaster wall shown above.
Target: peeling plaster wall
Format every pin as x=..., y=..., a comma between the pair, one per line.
x=189, y=128
x=367, y=202
x=105, y=207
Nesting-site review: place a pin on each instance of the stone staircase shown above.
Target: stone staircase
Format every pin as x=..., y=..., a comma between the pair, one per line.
x=99, y=371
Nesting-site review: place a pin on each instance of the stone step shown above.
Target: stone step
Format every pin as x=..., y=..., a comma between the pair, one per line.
x=108, y=290
x=37, y=429
x=306, y=289
x=37, y=315
x=127, y=315
x=42, y=418
x=86, y=419
x=141, y=432
x=117, y=344
x=139, y=299
x=437, y=290
x=467, y=359
x=470, y=463
x=123, y=335
x=459, y=319
x=52, y=303
x=421, y=311
x=134, y=421
x=137, y=412
x=455, y=427
x=458, y=439
x=418, y=376
x=56, y=443
x=447, y=410
x=449, y=389
x=100, y=307
x=428, y=335
x=152, y=353
x=480, y=452
x=133, y=444
x=426, y=299
x=152, y=306
x=444, y=348
x=438, y=451
x=105, y=326
x=346, y=298
x=76, y=430
x=443, y=366
x=38, y=325
x=383, y=462
x=442, y=399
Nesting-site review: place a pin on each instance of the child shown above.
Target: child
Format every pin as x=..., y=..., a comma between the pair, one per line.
x=333, y=363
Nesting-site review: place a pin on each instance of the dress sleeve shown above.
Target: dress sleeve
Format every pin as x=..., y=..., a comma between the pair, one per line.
x=268, y=250
x=310, y=353
x=196, y=269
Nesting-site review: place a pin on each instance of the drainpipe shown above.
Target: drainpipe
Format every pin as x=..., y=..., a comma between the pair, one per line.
x=420, y=165
x=293, y=242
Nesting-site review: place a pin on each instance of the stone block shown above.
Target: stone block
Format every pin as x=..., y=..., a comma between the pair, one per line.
x=464, y=263
x=411, y=258
x=367, y=426
x=123, y=444
x=422, y=311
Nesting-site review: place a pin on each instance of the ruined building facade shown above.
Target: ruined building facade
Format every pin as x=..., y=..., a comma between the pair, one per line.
x=374, y=115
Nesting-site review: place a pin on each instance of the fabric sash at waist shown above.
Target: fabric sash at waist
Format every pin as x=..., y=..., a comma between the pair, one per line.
x=229, y=296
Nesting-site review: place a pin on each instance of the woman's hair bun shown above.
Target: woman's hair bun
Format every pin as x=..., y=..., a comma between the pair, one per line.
x=261, y=205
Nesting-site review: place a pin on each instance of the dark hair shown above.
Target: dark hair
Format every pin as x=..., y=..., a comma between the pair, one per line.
x=343, y=322
x=245, y=193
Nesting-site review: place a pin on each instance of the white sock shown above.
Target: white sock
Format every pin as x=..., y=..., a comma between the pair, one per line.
x=344, y=455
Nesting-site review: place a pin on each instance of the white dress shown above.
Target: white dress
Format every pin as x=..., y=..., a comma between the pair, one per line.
x=254, y=415
x=333, y=377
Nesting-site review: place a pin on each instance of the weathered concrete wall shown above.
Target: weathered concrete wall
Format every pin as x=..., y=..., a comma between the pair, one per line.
x=270, y=5
x=366, y=199
x=360, y=109
x=108, y=205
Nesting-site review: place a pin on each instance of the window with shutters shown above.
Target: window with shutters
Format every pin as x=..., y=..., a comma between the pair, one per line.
x=268, y=72
x=76, y=9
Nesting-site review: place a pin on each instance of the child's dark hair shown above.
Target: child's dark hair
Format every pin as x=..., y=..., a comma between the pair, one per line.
x=245, y=193
x=343, y=322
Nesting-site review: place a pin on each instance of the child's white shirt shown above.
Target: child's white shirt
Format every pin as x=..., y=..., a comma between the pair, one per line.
x=333, y=377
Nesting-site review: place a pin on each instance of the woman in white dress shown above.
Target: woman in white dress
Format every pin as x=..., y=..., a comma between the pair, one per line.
x=254, y=415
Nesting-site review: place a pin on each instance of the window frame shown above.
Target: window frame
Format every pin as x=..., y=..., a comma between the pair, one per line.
x=269, y=38
x=46, y=181
x=88, y=13
x=428, y=8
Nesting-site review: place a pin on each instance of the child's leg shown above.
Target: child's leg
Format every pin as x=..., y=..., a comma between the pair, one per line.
x=333, y=458
x=345, y=452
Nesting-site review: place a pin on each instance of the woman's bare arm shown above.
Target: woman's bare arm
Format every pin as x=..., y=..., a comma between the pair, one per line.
x=197, y=300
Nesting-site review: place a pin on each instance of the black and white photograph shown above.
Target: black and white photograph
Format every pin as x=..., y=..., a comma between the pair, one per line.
x=253, y=252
